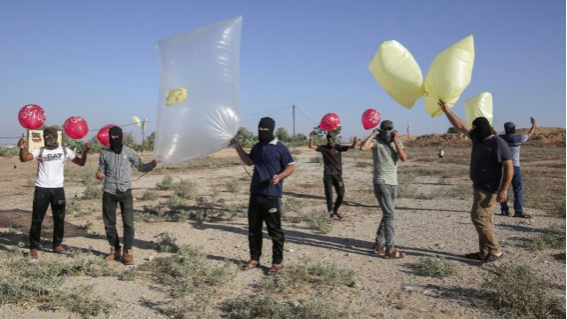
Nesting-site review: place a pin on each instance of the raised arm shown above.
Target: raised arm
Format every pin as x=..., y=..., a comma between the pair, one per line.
x=532, y=129
x=354, y=142
x=402, y=155
x=453, y=119
x=25, y=156
x=311, y=143
x=367, y=144
x=242, y=153
x=81, y=161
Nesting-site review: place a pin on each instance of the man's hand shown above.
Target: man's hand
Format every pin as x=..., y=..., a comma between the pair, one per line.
x=99, y=175
x=233, y=142
x=312, y=135
x=394, y=135
x=356, y=140
x=502, y=196
x=532, y=120
x=22, y=144
x=444, y=106
x=276, y=179
x=86, y=147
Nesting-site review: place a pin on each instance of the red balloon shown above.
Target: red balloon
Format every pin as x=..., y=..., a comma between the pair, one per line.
x=31, y=116
x=76, y=127
x=330, y=122
x=102, y=135
x=370, y=119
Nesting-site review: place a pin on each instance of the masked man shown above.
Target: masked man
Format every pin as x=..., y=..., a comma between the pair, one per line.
x=333, y=170
x=115, y=168
x=491, y=172
x=272, y=164
x=49, y=187
x=387, y=149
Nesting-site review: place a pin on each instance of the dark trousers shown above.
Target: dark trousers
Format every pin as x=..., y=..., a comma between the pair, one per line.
x=263, y=208
x=334, y=181
x=109, y=202
x=518, y=187
x=42, y=198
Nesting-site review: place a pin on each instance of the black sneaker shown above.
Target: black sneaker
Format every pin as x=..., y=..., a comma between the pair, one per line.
x=504, y=213
x=522, y=215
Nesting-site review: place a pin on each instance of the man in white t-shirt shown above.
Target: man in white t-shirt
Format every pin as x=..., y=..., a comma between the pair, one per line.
x=49, y=187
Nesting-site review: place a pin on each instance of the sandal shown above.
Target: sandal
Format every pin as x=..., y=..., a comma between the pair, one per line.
x=251, y=264
x=492, y=258
x=377, y=249
x=394, y=253
x=276, y=268
x=475, y=256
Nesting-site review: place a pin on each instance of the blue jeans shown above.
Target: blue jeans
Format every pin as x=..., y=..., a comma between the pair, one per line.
x=386, y=195
x=518, y=187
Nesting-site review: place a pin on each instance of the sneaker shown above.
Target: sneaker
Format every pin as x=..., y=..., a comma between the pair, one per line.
x=504, y=213
x=522, y=215
x=339, y=216
x=33, y=253
x=60, y=250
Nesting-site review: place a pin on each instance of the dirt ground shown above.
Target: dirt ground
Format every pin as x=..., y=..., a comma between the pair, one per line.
x=431, y=226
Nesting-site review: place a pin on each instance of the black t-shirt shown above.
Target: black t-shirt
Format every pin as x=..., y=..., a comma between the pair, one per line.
x=332, y=158
x=486, y=163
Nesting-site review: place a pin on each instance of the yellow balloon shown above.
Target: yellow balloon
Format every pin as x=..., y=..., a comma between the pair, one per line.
x=480, y=105
x=449, y=75
x=398, y=73
x=136, y=120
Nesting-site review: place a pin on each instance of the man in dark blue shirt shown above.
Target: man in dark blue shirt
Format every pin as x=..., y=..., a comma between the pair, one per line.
x=272, y=164
x=491, y=172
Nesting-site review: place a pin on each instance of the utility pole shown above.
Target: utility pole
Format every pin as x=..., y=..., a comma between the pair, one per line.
x=293, y=137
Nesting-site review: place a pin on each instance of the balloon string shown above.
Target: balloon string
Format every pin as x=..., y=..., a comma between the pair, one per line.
x=244, y=167
x=141, y=176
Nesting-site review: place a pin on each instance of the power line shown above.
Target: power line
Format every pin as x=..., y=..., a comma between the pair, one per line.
x=96, y=129
x=307, y=117
x=267, y=111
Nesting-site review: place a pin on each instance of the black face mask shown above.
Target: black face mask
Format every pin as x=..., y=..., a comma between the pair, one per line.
x=50, y=138
x=481, y=129
x=331, y=141
x=263, y=135
x=115, y=143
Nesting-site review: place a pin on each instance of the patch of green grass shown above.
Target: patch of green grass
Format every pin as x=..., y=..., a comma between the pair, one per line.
x=233, y=186
x=320, y=221
x=560, y=257
x=128, y=274
x=189, y=271
x=93, y=191
x=316, y=159
x=186, y=189
x=166, y=244
x=166, y=183
x=550, y=238
x=518, y=293
x=150, y=195
x=434, y=267
x=78, y=300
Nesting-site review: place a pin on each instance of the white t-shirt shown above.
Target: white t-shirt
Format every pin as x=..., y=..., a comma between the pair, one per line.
x=51, y=166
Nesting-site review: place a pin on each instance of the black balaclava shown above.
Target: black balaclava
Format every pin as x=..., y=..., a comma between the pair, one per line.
x=510, y=128
x=266, y=136
x=50, y=138
x=331, y=140
x=115, y=143
x=386, y=128
x=482, y=128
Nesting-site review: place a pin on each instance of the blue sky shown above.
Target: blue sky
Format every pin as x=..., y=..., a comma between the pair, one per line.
x=97, y=59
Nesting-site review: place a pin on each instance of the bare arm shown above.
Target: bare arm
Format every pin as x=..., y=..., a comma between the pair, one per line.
x=508, y=174
x=367, y=144
x=242, y=153
x=532, y=129
x=81, y=161
x=311, y=144
x=354, y=142
x=453, y=119
x=402, y=155
x=288, y=170
x=25, y=156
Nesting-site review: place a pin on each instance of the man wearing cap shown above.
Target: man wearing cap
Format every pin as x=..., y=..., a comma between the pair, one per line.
x=115, y=168
x=515, y=141
x=333, y=170
x=49, y=186
x=387, y=149
x=491, y=172
x=272, y=164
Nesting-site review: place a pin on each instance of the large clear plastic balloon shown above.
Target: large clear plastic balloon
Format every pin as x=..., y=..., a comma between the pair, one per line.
x=449, y=75
x=102, y=135
x=199, y=95
x=398, y=73
x=76, y=127
x=370, y=119
x=480, y=105
x=31, y=116
x=330, y=122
